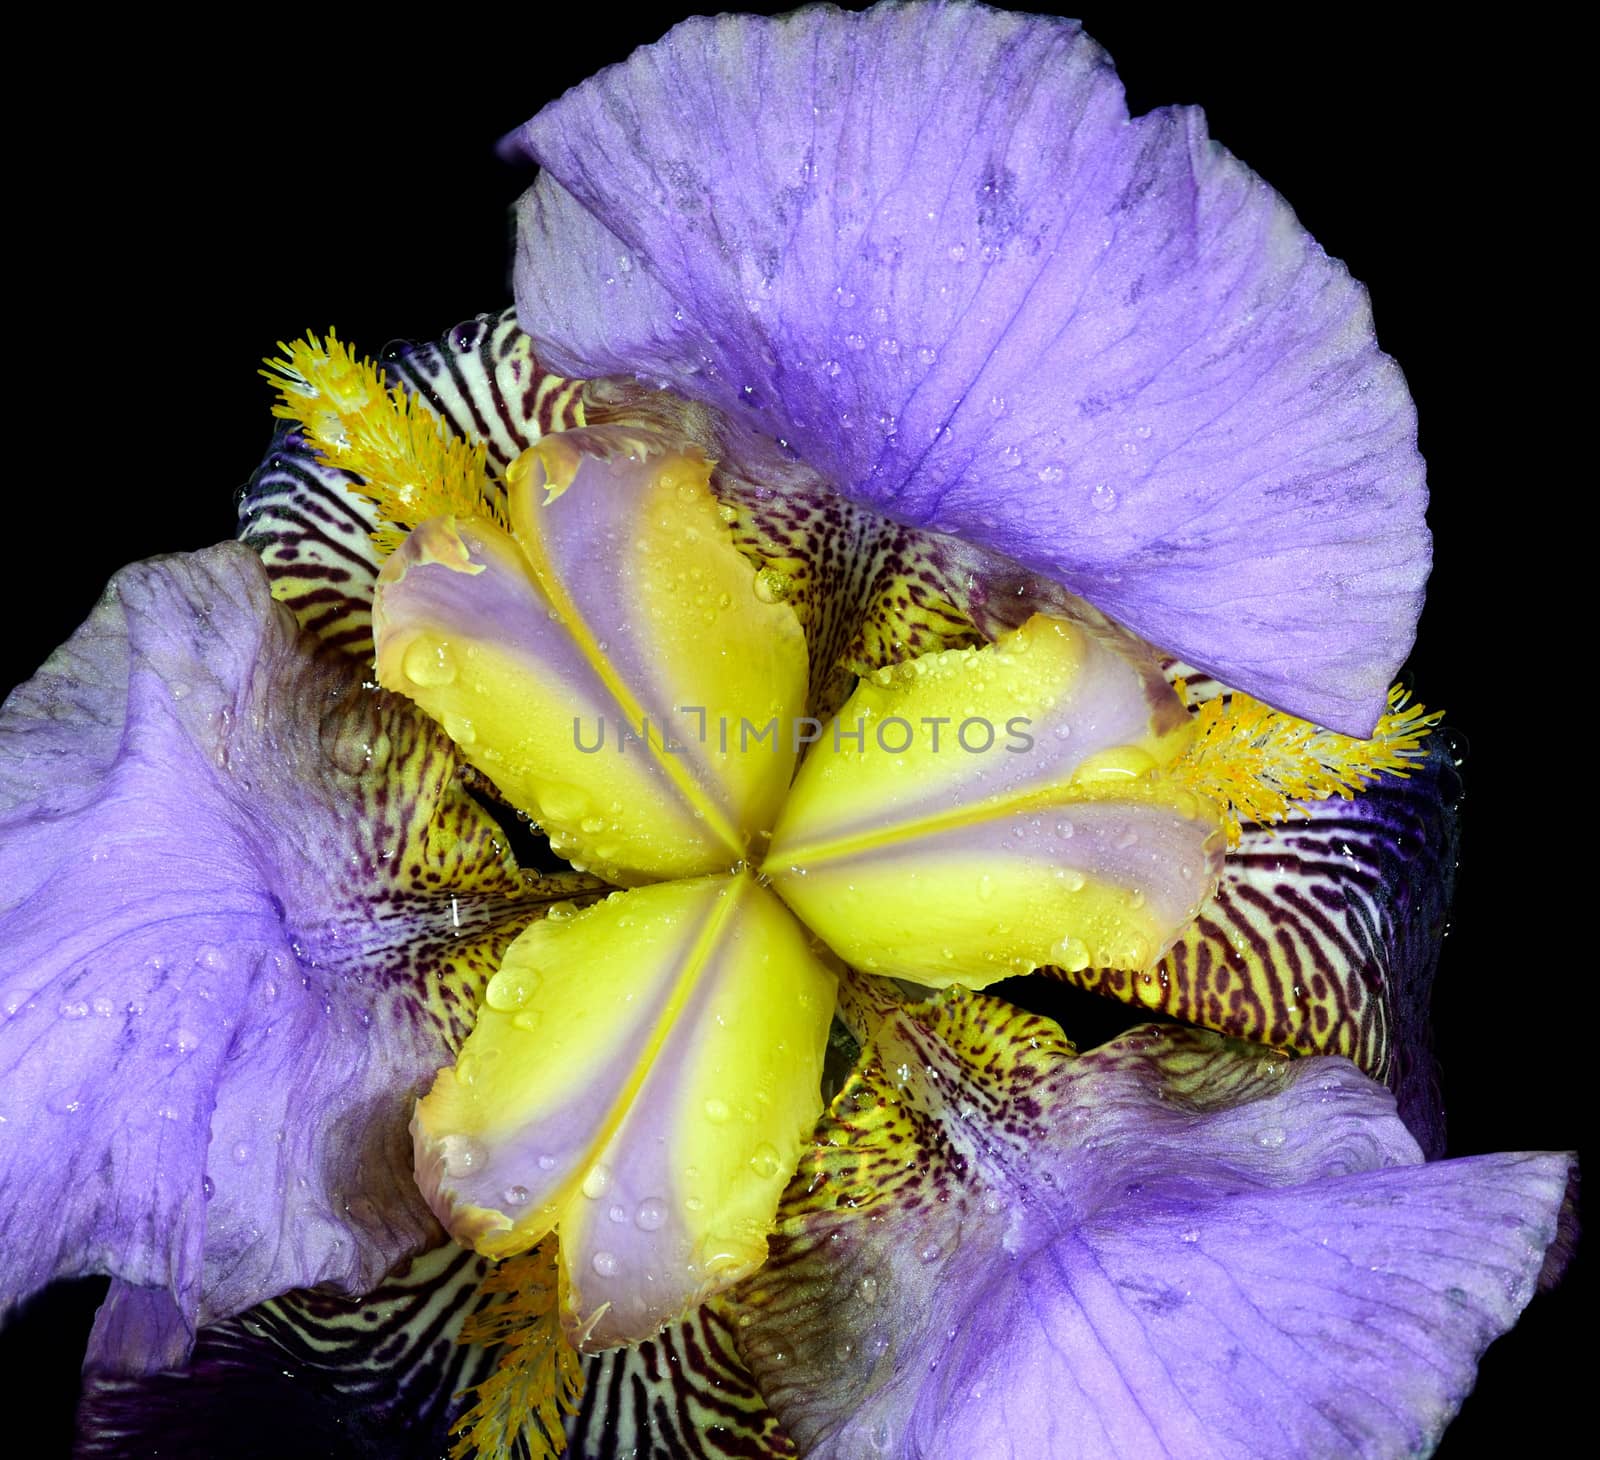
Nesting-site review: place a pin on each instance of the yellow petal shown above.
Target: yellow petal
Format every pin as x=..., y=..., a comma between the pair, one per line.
x=642, y=1078
x=982, y=812
x=599, y=662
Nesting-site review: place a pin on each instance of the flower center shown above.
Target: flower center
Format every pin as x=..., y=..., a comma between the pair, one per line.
x=603, y=636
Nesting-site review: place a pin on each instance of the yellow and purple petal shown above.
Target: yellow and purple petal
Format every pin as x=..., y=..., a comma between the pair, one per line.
x=606, y=661
x=1172, y=1245
x=979, y=813
x=641, y=1078
x=246, y=916
x=926, y=247
x=1323, y=937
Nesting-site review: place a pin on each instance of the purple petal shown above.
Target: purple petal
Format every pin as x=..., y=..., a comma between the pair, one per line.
x=247, y=916
x=925, y=246
x=1174, y=1245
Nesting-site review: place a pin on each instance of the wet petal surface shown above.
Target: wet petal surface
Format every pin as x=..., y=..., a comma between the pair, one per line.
x=927, y=248
x=982, y=812
x=642, y=1077
x=1173, y=1245
x=206, y=1082
x=599, y=660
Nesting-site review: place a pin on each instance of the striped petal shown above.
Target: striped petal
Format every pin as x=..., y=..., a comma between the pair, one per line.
x=642, y=1078
x=310, y=1373
x=1173, y=1245
x=1323, y=937
x=685, y=1394
x=313, y=531
x=593, y=660
x=205, y=1084
x=386, y=1375
x=982, y=812
x=312, y=525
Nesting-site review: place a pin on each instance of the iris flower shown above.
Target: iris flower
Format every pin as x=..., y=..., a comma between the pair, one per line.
x=963, y=401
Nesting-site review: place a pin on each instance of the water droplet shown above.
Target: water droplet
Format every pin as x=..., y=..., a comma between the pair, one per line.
x=1050, y=473
x=185, y=1041
x=428, y=662
x=241, y=1153
x=652, y=1214
x=927, y=354
x=508, y=990
x=1271, y=1138
x=618, y=1213
x=74, y=1010
x=856, y=341
x=888, y=345
x=997, y=405
x=1189, y=1236
x=1064, y=829
x=1104, y=497
x=605, y=1264
x=597, y=1182
x=831, y=368
x=930, y=1253
x=716, y=1111
x=1010, y=456
x=516, y=1196
x=764, y=1161
x=547, y=1163
x=208, y=1187
x=958, y=253
x=1071, y=954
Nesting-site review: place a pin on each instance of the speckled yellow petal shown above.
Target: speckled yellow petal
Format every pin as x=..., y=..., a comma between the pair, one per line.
x=601, y=662
x=642, y=1078
x=982, y=812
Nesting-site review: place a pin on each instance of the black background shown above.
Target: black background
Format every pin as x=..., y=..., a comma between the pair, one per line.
x=183, y=202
